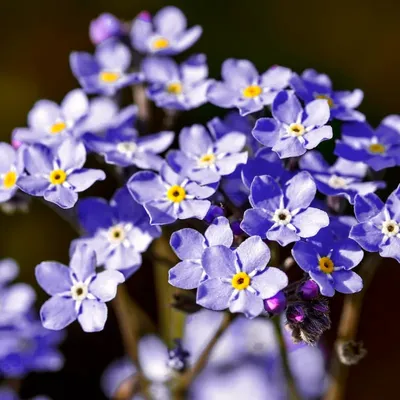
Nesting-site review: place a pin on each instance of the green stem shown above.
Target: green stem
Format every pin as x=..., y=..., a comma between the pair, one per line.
x=293, y=393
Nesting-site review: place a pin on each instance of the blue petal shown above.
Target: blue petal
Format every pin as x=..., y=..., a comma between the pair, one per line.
x=83, y=178
x=269, y=282
x=256, y=222
x=325, y=283
x=186, y=275
x=219, y=262
x=193, y=209
x=35, y=186
x=266, y=131
x=265, y=193
x=248, y=303
x=83, y=262
x=310, y=221
x=300, y=191
x=146, y=186
x=104, y=286
x=287, y=147
x=347, y=254
x=93, y=315
x=219, y=233
x=253, y=254
x=367, y=235
x=95, y=213
x=367, y=206
x=286, y=107
x=188, y=244
x=214, y=294
x=161, y=212
x=62, y=196
x=58, y=312
x=195, y=140
x=391, y=248
x=283, y=235
x=53, y=277
x=83, y=64
x=347, y=282
x=306, y=255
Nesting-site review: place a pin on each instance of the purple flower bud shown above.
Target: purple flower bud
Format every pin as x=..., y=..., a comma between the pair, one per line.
x=275, y=304
x=236, y=229
x=308, y=290
x=104, y=27
x=213, y=212
x=295, y=314
x=144, y=16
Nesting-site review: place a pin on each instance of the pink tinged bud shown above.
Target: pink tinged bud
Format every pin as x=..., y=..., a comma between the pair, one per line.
x=16, y=144
x=275, y=304
x=144, y=16
x=236, y=229
x=308, y=290
x=104, y=27
x=295, y=314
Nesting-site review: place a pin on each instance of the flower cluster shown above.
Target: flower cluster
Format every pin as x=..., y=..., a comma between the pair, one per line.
x=235, y=196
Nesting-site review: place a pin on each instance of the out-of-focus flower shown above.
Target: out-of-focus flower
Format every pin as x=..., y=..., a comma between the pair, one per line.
x=11, y=168
x=104, y=27
x=294, y=130
x=165, y=34
x=176, y=87
x=312, y=85
x=118, y=231
x=344, y=178
x=58, y=175
x=378, y=149
x=78, y=292
x=105, y=72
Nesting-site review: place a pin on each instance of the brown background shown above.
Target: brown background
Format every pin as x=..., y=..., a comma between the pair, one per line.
x=356, y=42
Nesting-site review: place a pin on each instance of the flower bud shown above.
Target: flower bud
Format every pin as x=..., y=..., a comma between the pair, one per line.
x=275, y=304
x=104, y=27
x=295, y=314
x=213, y=212
x=308, y=290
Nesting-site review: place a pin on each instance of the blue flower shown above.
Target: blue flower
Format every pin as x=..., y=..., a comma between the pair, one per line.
x=7, y=393
x=189, y=245
x=118, y=231
x=201, y=156
x=243, y=87
x=58, y=175
x=283, y=215
x=379, y=224
x=329, y=262
x=239, y=279
x=166, y=34
x=11, y=168
x=312, y=85
x=379, y=149
x=78, y=292
x=49, y=124
x=8, y=271
x=293, y=130
x=344, y=178
x=30, y=348
x=170, y=196
x=181, y=87
x=106, y=71
x=104, y=27
x=121, y=145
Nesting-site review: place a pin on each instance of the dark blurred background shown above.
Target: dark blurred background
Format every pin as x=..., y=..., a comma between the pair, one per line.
x=356, y=42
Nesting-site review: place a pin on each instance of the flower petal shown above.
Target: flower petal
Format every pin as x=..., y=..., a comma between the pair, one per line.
x=186, y=275
x=146, y=186
x=316, y=113
x=104, y=286
x=188, y=244
x=53, y=277
x=367, y=207
x=219, y=233
x=269, y=282
x=265, y=193
x=367, y=235
x=62, y=196
x=324, y=282
x=286, y=107
x=347, y=282
x=219, y=262
x=310, y=221
x=248, y=303
x=253, y=254
x=83, y=262
x=71, y=154
x=58, y=312
x=75, y=105
x=300, y=191
x=306, y=255
x=93, y=315
x=83, y=178
x=214, y=294
x=256, y=222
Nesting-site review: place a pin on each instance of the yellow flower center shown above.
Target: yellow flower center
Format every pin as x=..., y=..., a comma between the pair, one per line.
x=116, y=234
x=252, y=91
x=241, y=281
x=160, y=43
x=331, y=104
x=57, y=177
x=296, y=129
x=176, y=194
x=206, y=160
x=175, y=88
x=10, y=179
x=326, y=265
x=109, y=76
x=57, y=127
x=377, y=148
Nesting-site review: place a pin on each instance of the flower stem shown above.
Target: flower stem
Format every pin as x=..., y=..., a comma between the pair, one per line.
x=188, y=377
x=293, y=393
x=348, y=327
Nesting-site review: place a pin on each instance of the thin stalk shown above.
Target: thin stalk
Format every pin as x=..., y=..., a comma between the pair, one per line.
x=348, y=327
x=293, y=393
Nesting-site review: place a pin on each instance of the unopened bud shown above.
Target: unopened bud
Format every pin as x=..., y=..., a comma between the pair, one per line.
x=276, y=304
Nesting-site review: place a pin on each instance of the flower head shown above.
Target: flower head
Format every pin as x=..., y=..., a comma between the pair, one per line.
x=329, y=262
x=104, y=27
x=118, y=231
x=293, y=130
x=78, y=292
x=165, y=34
x=283, y=215
x=202, y=157
x=243, y=87
x=239, y=279
x=344, y=178
x=378, y=149
x=180, y=87
x=312, y=85
x=379, y=224
x=50, y=124
x=11, y=168
x=170, y=196
x=58, y=175
x=105, y=72
x=189, y=246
